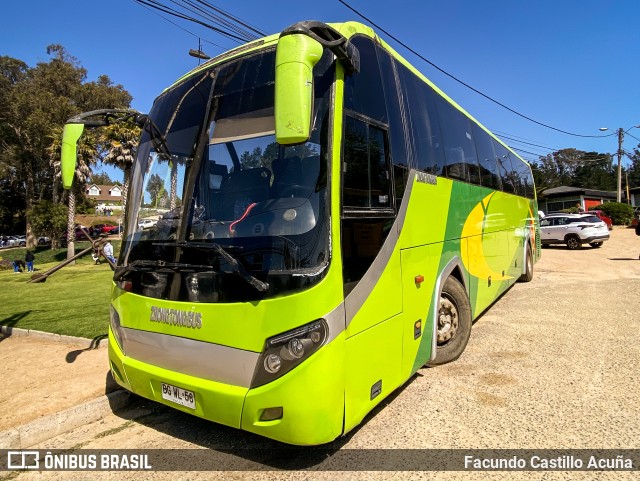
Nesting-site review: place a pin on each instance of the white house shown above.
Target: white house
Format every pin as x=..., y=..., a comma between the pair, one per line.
x=106, y=197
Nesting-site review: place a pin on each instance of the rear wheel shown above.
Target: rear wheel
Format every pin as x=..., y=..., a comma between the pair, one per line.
x=573, y=242
x=453, y=323
x=595, y=244
x=528, y=273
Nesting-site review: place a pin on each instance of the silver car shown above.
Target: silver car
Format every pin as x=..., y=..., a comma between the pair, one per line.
x=573, y=230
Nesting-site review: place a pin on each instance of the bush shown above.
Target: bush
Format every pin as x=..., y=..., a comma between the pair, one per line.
x=621, y=214
x=5, y=264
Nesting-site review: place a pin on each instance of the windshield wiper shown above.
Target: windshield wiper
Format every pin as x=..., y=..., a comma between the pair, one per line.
x=236, y=266
x=142, y=264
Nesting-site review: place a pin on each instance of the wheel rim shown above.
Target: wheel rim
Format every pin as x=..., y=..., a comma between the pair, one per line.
x=448, y=320
x=572, y=243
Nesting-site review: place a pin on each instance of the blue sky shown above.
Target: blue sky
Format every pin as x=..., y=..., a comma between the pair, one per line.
x=574, y=65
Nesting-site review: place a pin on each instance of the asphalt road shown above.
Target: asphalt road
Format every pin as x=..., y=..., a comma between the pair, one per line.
x=553, y=364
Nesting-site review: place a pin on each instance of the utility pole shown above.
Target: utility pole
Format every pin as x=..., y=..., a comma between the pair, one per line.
x=620, y=138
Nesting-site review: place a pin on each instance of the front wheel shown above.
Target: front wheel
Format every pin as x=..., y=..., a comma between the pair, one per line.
x=595, y=244
x=453, y=322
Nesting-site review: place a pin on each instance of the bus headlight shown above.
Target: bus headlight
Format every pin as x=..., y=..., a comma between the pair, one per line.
x=114, y=322
x=285, y=351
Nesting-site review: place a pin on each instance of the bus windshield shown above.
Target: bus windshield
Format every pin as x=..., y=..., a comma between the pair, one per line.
x=220, y=212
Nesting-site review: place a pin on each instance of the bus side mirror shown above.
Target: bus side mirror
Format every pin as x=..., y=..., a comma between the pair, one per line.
x=68, y=156
x=296, y=55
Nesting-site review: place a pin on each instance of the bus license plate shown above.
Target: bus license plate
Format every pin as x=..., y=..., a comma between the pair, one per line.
x=178, y=395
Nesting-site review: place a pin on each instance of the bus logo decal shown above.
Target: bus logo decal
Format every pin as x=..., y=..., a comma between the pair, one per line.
x=174, y=317
x=426, y=178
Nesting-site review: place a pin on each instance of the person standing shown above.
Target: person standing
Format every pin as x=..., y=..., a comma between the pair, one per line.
x=107, y=251
x=28, y=259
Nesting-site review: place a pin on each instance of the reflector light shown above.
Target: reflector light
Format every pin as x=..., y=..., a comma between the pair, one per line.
x=271, y=414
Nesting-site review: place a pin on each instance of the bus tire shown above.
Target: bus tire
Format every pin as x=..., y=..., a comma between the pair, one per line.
x=454, y=322
x=528, y=273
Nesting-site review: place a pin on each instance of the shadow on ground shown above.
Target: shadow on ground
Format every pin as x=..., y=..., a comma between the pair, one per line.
x=234, y=449
x=10, y=322
x=95, y=344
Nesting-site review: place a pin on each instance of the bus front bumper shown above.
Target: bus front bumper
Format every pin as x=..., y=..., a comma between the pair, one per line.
x=310, y=397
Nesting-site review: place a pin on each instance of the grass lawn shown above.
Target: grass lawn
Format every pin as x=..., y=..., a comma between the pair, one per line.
x=73, y=301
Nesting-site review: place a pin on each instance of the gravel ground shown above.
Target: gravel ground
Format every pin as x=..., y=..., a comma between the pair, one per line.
x=553, y=364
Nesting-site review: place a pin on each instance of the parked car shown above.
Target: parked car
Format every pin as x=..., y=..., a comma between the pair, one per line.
x=80, y=236
x=603, y=217
x=42, y=240
x=573, y=230
x=10, y=241
x=147, y=223
x=103, y=228
x=15, y=241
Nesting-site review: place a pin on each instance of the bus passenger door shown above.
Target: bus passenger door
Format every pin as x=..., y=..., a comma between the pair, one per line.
x=371, y=270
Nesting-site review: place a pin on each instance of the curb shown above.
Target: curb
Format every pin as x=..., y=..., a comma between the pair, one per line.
x=41, y=430
x=96, y=343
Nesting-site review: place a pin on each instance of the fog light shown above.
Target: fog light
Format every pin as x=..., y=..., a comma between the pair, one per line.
x=271, y=414
x=296, y=348
x=272, y=363
x=289, y=214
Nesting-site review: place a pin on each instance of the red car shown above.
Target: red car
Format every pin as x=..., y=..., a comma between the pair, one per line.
x=603, y=217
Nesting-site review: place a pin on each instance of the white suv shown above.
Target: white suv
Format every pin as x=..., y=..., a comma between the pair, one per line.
x=573, y=230
x=147, y=223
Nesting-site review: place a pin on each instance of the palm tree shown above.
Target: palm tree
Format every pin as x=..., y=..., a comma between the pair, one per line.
x=121, y=141
x=87, y=155
x=174, y=184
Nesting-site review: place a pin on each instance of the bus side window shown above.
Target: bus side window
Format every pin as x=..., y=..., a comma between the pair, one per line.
x=366, y=171
x=367, y=204
x=489, y=175
x=422, y=122
x=398, y=143
x=504, y=168
x=459, y=149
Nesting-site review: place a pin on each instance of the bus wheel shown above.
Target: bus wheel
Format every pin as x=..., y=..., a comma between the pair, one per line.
x=454, y=322
x=573, y=242
x=528, y=273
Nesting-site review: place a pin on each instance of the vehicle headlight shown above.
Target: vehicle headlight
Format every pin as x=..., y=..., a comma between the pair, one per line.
x=116, y=329
x=285, y=351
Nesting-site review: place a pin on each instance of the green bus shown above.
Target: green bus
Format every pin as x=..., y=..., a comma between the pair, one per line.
x=326, y=222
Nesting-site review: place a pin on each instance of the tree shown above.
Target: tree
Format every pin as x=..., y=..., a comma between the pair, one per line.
x=101, y=178
x=595, y=171
x=155, y=187
x=34, y=100
x=634, y=168
x=50, y=219
x=121, y=141
x=575, y=168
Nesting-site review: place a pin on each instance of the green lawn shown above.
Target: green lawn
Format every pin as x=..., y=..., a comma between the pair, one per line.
x=73, y=301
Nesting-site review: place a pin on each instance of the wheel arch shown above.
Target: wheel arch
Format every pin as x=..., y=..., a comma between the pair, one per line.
x=452, y=268
x=529, y=242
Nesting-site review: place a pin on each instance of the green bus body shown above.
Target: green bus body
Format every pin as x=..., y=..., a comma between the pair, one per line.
x=375, y=305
